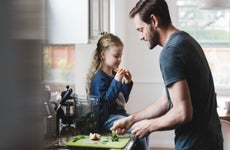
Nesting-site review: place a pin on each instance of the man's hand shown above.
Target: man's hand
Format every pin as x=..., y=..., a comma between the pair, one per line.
x=121, y=126
x=141, y=128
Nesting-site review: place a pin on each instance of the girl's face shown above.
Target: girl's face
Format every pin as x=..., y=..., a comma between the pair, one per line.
x=112, y=57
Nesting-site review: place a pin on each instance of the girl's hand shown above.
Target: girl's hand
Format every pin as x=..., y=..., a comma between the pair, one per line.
x=127, y=76
x=119, y=75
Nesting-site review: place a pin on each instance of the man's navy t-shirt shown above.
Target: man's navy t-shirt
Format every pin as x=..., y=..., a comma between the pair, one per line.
x=182, y=58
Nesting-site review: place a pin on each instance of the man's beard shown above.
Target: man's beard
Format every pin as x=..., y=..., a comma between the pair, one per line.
x=153, y=38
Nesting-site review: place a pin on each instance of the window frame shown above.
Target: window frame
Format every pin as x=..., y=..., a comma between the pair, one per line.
x=220, y=90
x=209, y=42
x=99, y=18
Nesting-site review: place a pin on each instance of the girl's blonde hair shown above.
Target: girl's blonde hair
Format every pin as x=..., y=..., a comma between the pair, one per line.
x=105, y=41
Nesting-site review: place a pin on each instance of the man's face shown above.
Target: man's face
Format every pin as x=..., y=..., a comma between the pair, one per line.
x=146, y=32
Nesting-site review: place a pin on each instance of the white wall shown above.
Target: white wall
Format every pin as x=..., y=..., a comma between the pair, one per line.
x=142, y=62
x=83, y=60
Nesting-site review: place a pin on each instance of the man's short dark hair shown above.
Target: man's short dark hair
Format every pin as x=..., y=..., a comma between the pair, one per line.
x=145, y=8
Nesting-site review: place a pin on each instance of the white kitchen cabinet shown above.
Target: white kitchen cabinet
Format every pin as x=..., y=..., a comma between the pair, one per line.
x=76, y=21
x=67, y=21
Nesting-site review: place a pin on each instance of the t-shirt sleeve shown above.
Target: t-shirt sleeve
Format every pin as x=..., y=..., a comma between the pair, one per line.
x=172, y=65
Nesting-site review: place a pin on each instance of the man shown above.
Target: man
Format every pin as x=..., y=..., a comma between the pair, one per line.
x=188, y=104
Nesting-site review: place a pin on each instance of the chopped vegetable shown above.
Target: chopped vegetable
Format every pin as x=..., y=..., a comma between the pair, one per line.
x=114, y=137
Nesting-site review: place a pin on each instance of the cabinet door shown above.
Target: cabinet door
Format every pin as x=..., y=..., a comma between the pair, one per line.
x=67, y=21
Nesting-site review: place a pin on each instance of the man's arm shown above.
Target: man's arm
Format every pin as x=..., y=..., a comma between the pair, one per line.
x=180, y=113
x=158, y=108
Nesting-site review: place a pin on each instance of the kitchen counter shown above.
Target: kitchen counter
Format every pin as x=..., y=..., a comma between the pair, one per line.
x=59, y=142
x=223, y=114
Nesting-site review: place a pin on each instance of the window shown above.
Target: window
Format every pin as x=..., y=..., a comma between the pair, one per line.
x=218, y=59
x=59, y=63
x=211, y=27
x=66, y=26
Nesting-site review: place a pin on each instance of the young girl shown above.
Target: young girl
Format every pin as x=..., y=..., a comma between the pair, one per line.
x=112, y=88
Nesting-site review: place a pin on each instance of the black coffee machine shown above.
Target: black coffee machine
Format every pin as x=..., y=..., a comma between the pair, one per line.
x=66, y=110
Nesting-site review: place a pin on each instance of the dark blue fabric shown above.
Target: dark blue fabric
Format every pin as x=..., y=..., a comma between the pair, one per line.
x=107, y=89
x=182, y=58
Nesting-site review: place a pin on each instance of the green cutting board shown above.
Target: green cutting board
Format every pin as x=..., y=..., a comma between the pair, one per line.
x=104, y=142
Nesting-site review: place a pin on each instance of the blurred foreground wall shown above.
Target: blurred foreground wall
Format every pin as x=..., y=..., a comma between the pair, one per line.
x=21, y=37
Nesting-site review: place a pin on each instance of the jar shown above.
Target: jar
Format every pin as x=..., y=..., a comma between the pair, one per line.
x=87, y=111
